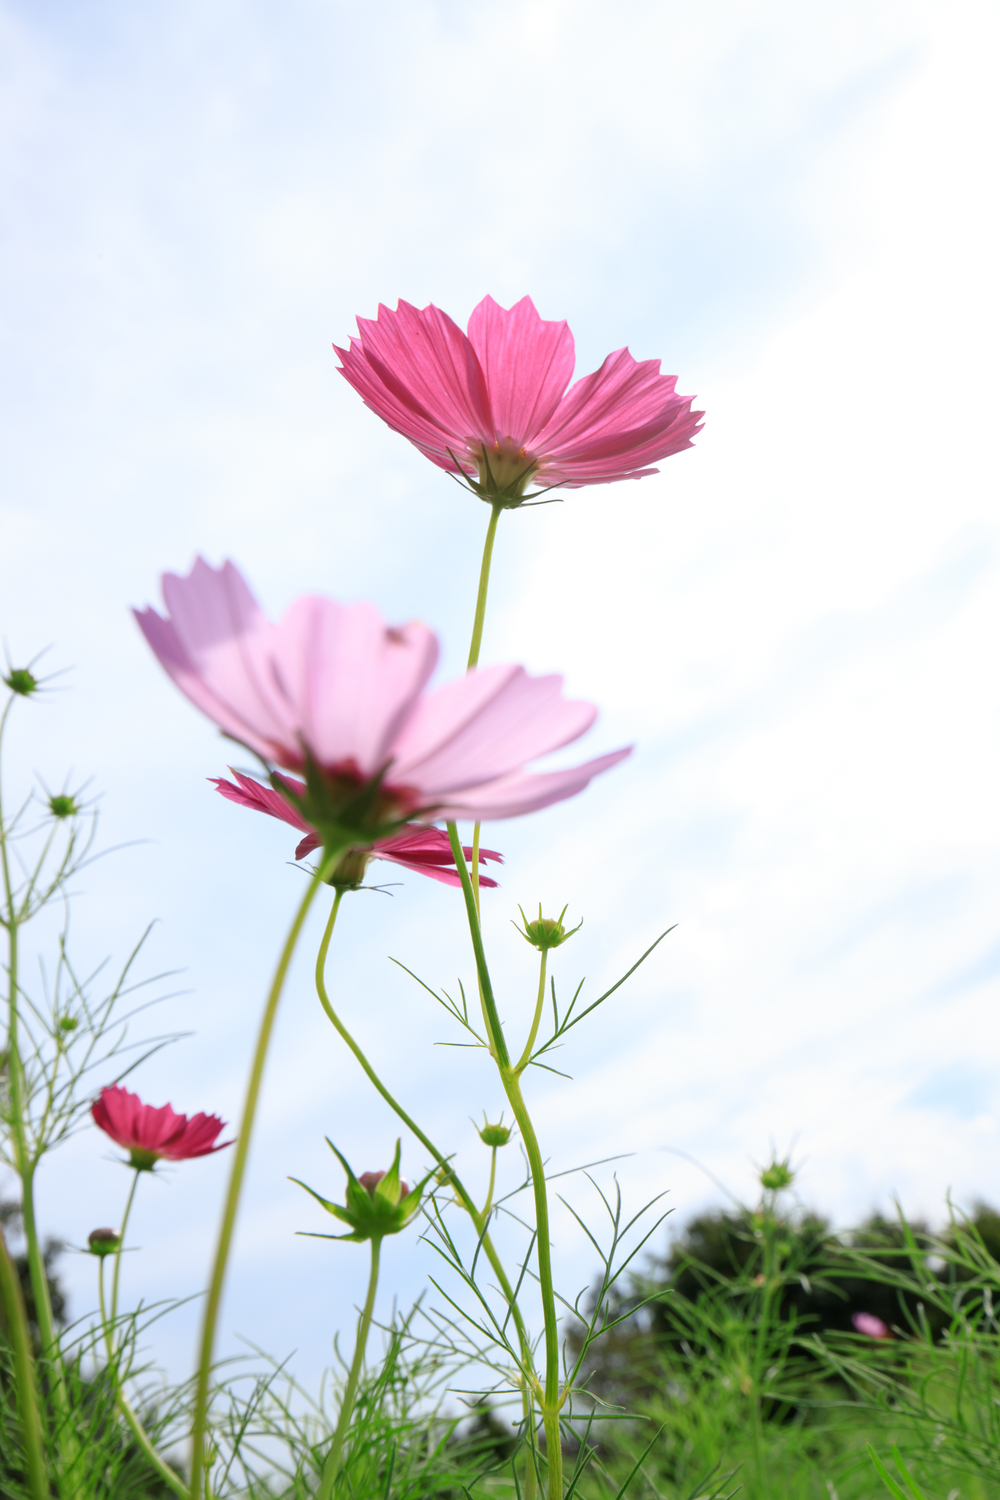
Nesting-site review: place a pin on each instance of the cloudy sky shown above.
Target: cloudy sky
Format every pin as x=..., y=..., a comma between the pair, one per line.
x=796, y=621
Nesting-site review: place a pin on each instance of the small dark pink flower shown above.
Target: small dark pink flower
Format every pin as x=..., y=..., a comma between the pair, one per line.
x=871, y=1326
x=426, y=850
x=493, y=404
x=149, y=1134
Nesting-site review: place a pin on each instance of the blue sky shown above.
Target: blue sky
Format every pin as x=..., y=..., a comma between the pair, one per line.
x=795, y=621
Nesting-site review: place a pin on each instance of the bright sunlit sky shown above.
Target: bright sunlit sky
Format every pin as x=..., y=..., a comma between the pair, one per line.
x=796, y=621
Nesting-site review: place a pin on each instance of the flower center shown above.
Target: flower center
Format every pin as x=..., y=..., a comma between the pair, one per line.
x=504, y=470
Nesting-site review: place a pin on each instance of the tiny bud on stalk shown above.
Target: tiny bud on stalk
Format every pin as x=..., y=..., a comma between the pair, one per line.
x=546, y=932
x=495, y=1135
x=103, y=1241
x=21, y=681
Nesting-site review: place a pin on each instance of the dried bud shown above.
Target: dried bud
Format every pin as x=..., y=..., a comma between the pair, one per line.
x=495, y=1135
x=103, y=1241
x=546, y=932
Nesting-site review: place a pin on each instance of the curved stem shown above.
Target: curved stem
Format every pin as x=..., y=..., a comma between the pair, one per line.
x=236, y=1179
x=139, y=1432
x=16, y=1328
x=484, y=584
x=461, y=1192
x=525, y=1057
x=498, y=1045
x=351, y=1390
x=118, y=1252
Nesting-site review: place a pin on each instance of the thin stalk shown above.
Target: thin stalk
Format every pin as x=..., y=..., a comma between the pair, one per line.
x=462, y=1193
x=484, y=584
x=551, y=1398
x=236, y=1181
x=25, y=1384
x=118, y=1252
x=494, y=1031
x=551, y=1401
x=332, y=1463
x=140, y=1434
x=525, y=1057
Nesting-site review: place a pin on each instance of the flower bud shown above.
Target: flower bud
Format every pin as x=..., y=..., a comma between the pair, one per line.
x=21, y=681
x=495, y=1135
x=61, y=806
x=103, y=1241
x=546, y=932
x=376, y=1203
x=776, y=1177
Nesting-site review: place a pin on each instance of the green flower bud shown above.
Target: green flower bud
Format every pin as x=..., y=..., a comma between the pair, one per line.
x=21, y=681
x=777, y=1176
x=61, y=806
x=546, y=932
x=68, y=1023
x=495, y=1135
x=103, y=1241
x=376, y=1203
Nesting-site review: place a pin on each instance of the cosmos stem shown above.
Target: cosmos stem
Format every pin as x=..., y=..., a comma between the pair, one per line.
x=332, y=1464
x=198, y=1487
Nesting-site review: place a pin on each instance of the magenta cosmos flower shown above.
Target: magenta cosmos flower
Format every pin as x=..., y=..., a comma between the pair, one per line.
x=336, y=693
x=426, y=850
x=149, y=1134
x=493, y=404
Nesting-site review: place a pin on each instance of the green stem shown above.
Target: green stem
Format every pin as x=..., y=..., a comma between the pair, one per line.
x=498, y=1046
x=551, y=1399
x=236, y=1180
x=463, y=1195
x=525, y=1057
x=25, y=1384
x=484, y=584
x=118, y=1252
x=347, y=1405
x=140, y=1434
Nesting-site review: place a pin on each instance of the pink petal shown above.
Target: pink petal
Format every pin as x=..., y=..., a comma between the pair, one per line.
x=423, y=371
x=403, y=416
x=528, y=365
x=509, y=796
x=250, y=793
x=352, y=678
x=484, y=725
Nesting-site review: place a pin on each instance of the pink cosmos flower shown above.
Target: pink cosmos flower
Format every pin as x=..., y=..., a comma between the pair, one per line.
x=494, y=403
x=427, y=850
x=871, y=1326
x=149, y=1134
x=334, y=692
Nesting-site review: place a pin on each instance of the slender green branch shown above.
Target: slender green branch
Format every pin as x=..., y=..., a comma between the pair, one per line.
x=25, y=1383
x=551, y=1401
x=125, y=1406
x=461, y=1192
x=484, y=584
x=332, y=1464
x=494, y=1030
x=525, y=1057
x=121, y=1242
x=236, y=1175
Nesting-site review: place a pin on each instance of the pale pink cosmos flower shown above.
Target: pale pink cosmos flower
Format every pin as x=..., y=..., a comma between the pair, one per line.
x=426, y=850
x=493, y=404
x=148, y=1133
x=335, y=692
x=871, y=1326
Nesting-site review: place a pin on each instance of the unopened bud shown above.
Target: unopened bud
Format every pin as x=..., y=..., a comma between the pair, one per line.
x=21, y=681
x=370, y=1181
x=777, y=1176
x=546, y=932
x=103, y=1241
x=495, y=1135
x=62, y=806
